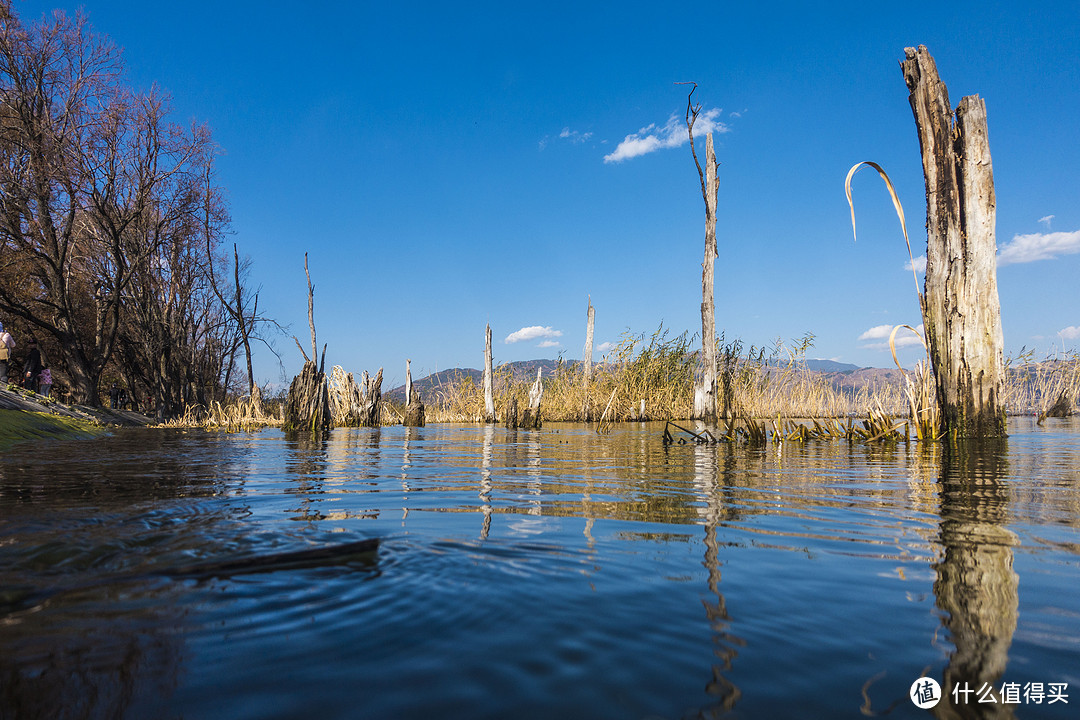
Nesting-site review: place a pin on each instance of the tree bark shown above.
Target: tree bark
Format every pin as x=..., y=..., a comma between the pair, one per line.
x=371, y=389
x=961, y=310
x=489, y=391
x=530, y=419
x=586, y=411
x=307, y=407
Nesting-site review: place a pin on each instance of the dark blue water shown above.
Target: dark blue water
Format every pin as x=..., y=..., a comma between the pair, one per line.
x=471, y=572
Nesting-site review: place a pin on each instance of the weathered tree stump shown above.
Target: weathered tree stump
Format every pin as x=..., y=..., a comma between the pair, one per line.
x=530, y=419
x=961, y=309
x=512, y=413
x=307, y=407
x=370, y=396
x=414, y=411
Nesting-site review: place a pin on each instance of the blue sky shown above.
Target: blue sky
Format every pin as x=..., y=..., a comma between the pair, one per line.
x=450, y=165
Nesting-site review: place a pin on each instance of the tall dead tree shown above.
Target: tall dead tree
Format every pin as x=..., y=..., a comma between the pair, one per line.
x=489, y=392
x=961, y=309
x=587, y=359
x=307, y=406
x=705, y=394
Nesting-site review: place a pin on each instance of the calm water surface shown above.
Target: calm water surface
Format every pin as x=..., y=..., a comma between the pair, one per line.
x=472, y=572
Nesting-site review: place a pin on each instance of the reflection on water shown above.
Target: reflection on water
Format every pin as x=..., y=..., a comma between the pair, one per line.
x=976, y=586
x=532, y=574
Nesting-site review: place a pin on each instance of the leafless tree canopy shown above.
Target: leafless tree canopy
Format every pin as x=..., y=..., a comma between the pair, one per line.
x=111, y=223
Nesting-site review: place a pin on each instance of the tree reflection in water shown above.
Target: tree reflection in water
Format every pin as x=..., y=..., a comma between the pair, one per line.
x=711, y=483
x=975, y=583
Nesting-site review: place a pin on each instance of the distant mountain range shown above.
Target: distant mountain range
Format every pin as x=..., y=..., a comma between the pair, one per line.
x=841, y=375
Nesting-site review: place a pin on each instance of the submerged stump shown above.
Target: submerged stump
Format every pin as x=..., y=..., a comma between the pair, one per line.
x=961, y=309
x=530, y=419
x=307, y=407
x=414, y=411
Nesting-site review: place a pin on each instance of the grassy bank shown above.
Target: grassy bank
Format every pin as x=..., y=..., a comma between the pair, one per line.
x=20, y=426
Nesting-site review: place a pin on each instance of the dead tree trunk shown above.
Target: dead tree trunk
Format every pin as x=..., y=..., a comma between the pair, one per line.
x=705, y=394
x=307, y=407
x=489, y=392
x=414, y=411
x=586, y=411
x=370, y=396
x=961, y=309
x=414, y=407
x=530, y=419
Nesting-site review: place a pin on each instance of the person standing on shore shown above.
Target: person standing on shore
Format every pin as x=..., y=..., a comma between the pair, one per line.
x=7, y=345
x=32, y=366
x=45, y=382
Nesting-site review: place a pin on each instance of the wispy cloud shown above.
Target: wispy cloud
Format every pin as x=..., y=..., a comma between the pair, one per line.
x=549, y=344
x=604, y=347
x=670, y=135
x=532, y=333
x=1070, y=333
x=904, y=337
x=1046, y=220
x=1038, y=246
x=919, y=264
x=574, y=136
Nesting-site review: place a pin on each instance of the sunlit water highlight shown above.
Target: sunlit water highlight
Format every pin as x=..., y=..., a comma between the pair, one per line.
x=557, y=573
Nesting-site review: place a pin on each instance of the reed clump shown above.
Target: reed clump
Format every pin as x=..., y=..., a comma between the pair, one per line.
x=652, y=377
x=1044, y=388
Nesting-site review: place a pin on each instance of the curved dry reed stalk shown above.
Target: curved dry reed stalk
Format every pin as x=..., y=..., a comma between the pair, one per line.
x=899, y=214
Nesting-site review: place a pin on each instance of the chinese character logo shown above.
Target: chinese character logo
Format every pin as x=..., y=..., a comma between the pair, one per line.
x=925, y=693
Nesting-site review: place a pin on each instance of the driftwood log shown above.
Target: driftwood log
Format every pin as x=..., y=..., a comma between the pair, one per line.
x=961, y=308
x=307, y=407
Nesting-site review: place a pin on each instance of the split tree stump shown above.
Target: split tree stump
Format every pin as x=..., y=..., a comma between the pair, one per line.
x=961, y=309
x=307, y=407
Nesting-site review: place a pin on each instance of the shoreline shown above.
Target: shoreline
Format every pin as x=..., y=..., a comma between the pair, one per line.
x=27, y=416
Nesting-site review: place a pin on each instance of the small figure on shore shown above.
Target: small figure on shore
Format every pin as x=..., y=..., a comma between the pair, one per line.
x=32, y=366
x=114, y=396
x=7, y=345
x=45, y=382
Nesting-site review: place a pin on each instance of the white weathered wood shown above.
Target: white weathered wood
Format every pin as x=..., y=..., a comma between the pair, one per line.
x=408, y=382
x=586, y=410
x=489, y=391
x=705, y=398
x=961, y=310
x=589, y=341
x=531, y=416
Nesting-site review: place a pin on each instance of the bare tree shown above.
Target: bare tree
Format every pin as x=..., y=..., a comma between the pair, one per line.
x=705, y=394
x=91, y=175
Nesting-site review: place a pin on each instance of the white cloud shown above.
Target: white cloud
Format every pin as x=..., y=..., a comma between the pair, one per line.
x=904, y=337
x=1070, y=333
x=604, y=347
x=574, y=136
x=920, y=264
x=1038, y=246
x=877, y=332
x=549, y=344
x=531, y=333
x=1046, y=221
x=672, y=134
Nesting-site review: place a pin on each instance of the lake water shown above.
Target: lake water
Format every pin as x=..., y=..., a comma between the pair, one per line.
x=475, y=572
